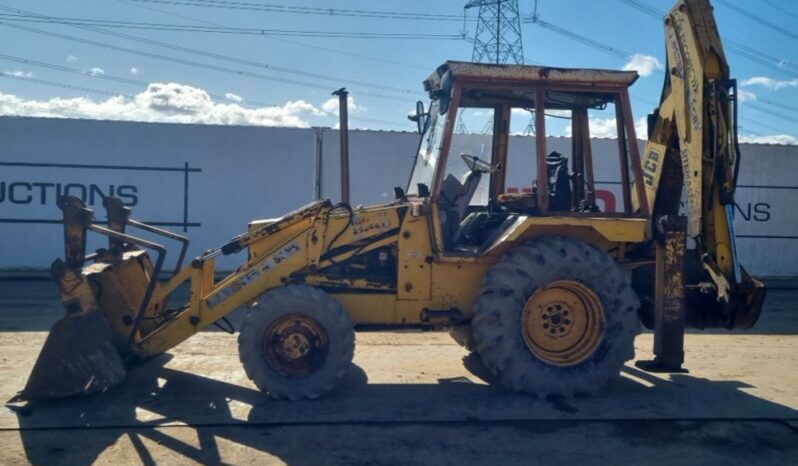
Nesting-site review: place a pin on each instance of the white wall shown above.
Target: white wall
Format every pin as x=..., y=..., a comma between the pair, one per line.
x=236, y=174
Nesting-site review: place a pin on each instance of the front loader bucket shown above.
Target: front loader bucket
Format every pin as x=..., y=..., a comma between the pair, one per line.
x=108, y=298
x=78, y=357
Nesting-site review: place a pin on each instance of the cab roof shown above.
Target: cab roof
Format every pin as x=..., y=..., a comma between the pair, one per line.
x=518, y=83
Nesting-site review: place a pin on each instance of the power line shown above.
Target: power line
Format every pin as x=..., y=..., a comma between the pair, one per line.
x=740, y=49
x=173, y=59
x=781, y=116
x=757, y=56
x=92, y=90
x=279, y=39
x=114, y=94
x=614, y=51
x=779, y=105
x=330, y=12
x=204, y=53
x=745, y=51
x=759, y=19
x=63, y=85
x=762, y=125
x=762, y=58
x=782, y=9
x=774, y=62
x=108, y=77
x=226, y=29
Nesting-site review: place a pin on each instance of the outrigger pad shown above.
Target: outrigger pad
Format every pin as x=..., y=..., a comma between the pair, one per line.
x=78, y=357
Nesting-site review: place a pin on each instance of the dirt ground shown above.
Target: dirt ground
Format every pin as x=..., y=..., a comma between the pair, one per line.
x=410, y=398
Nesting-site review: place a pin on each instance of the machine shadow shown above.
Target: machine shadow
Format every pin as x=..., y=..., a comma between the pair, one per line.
x=215, y=414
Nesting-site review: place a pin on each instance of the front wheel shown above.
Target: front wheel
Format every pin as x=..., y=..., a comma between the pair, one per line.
x=556, y=316
x=296, y=342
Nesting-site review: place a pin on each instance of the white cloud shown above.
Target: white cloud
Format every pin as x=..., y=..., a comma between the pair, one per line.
x=95, y=71
x=134, y=70
x=233, y=97
x=331, y=106
x=745, y=96
x=784, y=139
x=641, y=128
x=770, y=83
x=643, y=64
x=603, y=128
x=20, y=74
x=599, y=128
x=163, y=102
x=71, y=58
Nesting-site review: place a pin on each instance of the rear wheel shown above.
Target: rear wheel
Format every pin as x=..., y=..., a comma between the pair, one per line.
x=556, y=316
x=296, y=342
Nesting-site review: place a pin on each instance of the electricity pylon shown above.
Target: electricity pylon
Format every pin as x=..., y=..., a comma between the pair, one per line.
x=498, y=36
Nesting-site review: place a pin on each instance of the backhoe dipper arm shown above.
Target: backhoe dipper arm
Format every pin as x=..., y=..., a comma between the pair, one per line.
x=692, y=153
x=693, y=143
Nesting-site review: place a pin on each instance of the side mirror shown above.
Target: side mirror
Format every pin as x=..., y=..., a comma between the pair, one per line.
x=420, y=117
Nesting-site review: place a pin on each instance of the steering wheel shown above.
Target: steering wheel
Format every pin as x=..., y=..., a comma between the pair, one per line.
x=475, y=164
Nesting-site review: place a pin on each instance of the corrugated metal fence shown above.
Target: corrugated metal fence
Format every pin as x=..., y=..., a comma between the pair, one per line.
x=210, y=181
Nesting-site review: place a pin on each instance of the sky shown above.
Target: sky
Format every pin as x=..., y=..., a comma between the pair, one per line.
x=277, y=62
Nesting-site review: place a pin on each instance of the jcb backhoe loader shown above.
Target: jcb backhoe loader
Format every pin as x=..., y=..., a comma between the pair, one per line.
x=547, y=285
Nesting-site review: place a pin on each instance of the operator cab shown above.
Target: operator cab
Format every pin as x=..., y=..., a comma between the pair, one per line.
x=482, y=149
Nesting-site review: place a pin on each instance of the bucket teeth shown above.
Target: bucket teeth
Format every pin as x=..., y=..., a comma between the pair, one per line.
x=78, y=357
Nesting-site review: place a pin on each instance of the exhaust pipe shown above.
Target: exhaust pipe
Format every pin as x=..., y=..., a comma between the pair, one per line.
x=343, y=118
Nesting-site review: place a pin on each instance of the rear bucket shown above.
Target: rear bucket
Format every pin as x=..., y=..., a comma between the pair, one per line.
x=78, y=357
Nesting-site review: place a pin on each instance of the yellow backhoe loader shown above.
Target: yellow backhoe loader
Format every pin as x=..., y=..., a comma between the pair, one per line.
x=548, y=285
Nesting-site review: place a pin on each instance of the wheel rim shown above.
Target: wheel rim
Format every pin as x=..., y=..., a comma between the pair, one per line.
x=295, y=345
x=563, y=323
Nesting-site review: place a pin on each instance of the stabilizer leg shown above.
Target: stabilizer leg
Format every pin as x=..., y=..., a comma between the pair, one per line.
x=670, y=297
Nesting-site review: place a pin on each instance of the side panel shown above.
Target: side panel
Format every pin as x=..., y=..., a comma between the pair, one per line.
x=414, y=275
x=456, y=284
x=601, y=231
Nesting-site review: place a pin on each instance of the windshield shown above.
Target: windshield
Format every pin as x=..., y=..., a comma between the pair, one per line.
x=473, y=144
x=427, y=157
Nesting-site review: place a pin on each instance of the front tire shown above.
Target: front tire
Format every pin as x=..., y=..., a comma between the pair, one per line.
x=297, y=342
x=556, y=316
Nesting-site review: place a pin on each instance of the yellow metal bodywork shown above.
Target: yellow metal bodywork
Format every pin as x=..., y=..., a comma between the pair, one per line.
x=695, y=58
x=300, y=248
x=563, y=323
x=392, y=264
x=307, y=245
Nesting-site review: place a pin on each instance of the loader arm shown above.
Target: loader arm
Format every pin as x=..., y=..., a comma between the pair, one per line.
x=291, y=249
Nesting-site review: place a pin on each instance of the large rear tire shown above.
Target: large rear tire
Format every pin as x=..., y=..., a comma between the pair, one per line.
x=556, y=316
x=463, y=335
x=297, y=342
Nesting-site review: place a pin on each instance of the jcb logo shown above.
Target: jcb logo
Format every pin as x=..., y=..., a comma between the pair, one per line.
x=650, y=168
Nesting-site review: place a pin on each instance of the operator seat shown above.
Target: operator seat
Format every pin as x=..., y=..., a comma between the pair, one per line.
x=455, y=197
x=559, y=182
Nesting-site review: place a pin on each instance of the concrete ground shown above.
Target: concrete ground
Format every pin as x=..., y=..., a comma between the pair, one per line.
x=410, y=397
